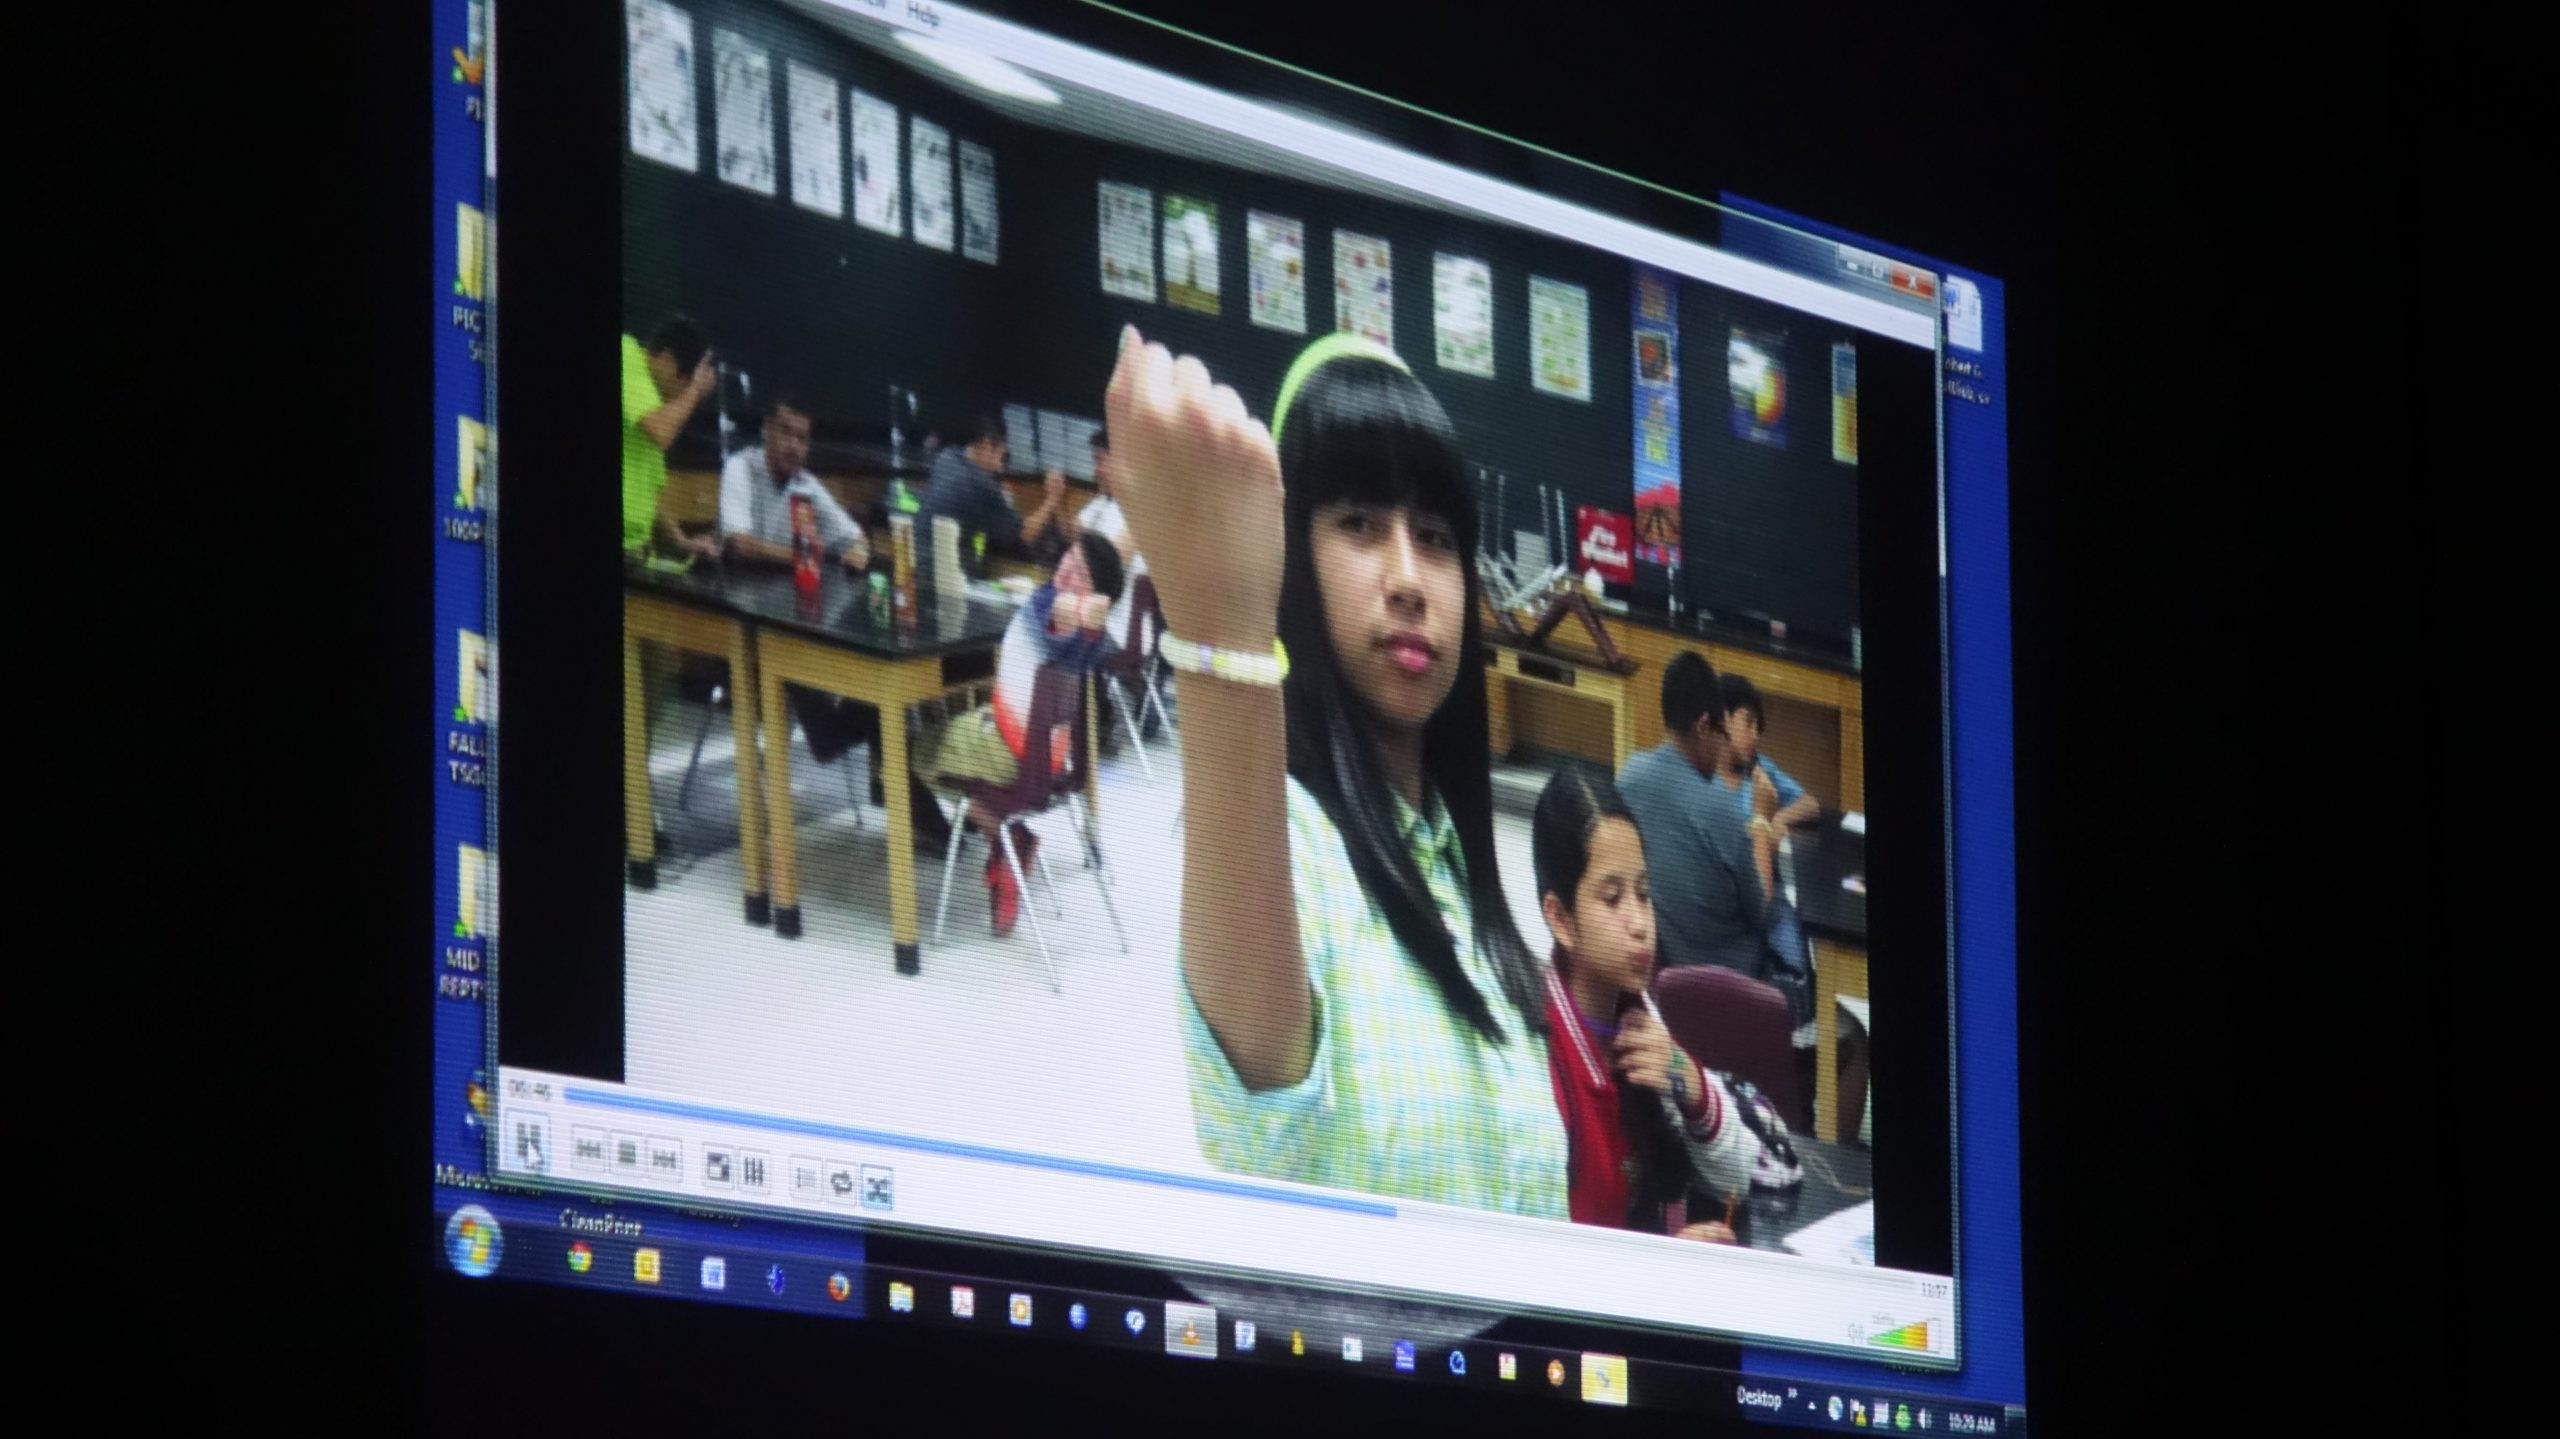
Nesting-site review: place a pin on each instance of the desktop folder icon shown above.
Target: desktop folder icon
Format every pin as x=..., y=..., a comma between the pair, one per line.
x=1604, y=1379
x=474, y=896
x=478, y=696
x=471, y=63
x=470, y=251
x=472, y=453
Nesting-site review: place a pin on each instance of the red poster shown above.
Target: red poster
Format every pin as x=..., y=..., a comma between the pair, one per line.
x=1605, y=541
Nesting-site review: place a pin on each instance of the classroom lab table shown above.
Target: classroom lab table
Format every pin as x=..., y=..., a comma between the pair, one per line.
x=689, y=613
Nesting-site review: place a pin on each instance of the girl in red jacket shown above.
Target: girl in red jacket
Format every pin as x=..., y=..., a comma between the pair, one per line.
x=1657, y=1143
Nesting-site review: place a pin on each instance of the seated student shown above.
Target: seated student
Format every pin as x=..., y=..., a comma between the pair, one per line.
x=1710, y=886
x=759, y=483
x=1061, y=624
x=1102, y=515
x=663, y=383
x=1756, y=779
x=964, y=485
x=1656, y=1142
x=757, y=487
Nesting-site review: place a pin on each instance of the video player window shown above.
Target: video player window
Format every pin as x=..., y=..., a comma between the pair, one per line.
x=1129, y=689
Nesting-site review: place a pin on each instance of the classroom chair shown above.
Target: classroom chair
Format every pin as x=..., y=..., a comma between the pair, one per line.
x=1057, y=701
x=1734, y=1023
x=715, y=675
x=1135, y=664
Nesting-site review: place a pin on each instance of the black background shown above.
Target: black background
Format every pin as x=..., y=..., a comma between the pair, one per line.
x=2192, y=210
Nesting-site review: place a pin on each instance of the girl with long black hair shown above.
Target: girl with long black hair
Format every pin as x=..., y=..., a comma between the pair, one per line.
x=1359, y=1010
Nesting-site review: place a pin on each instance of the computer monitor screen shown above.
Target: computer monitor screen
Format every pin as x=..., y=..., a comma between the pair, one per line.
x=1150, y=702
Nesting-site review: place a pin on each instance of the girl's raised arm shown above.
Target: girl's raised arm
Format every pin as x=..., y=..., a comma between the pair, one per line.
x=1200, y=485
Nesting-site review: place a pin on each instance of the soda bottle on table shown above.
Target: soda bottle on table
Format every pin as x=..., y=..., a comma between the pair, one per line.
x=804, y=544
x=902, y=551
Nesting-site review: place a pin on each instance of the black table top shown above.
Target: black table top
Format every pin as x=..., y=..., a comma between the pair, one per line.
x=840, y=613
x=1824, y=856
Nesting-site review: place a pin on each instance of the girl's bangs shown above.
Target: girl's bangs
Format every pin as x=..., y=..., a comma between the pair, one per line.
x=1373, y=436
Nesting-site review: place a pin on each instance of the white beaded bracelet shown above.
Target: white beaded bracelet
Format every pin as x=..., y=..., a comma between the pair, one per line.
x=1241, y=666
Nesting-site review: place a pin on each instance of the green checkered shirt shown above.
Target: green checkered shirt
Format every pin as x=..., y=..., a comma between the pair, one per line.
x=1405, y=1098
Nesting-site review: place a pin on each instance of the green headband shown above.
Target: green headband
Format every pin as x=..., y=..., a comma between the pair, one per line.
x=1320, y=354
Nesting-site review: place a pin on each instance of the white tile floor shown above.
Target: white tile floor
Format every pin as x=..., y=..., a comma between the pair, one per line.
x=977, y=1046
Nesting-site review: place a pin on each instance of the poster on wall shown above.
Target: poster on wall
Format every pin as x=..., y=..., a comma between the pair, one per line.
x=659, y=40
x=929, y=175
x=742, y=109
x=1559, y=338
x=1364, y=287
x=1276, y=259
x=879, y=200
x=1604, y=541
x=1127, y=226
x=817, y=142
x=1655, y=362
x=1844, y=403
x=1191, y=254
x=1462, y=314
x=977, y=202
x=1755, y=366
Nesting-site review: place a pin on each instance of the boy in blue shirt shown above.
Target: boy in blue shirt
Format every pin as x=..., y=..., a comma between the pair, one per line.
x=1744, y=766
x=1709, y=871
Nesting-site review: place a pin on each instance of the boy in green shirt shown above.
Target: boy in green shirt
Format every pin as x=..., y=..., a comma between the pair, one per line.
x=662, y=384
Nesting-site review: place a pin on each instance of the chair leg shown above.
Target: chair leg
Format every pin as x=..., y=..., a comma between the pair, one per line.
x=852, y=794
x=1155, y=697
x=950, y=860
x=1120, y=706
x=1090, y=842
x=684, y=792
x=1039, y=935
x=1101, y=876
x=1057, y=904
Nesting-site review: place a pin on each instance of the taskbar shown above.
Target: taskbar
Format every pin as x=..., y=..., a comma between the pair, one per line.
x=835, y=1280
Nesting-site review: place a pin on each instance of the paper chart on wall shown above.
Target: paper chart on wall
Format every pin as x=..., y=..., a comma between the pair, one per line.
x=1462, y=314
x=1127, y=229
x=742, y=108
x=658, y=37
x=1364, y=287
x=817, y=141
x=879, y=199
x=929, y=174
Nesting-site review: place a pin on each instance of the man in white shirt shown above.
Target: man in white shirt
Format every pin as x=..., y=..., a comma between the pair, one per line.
x=758, y=485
